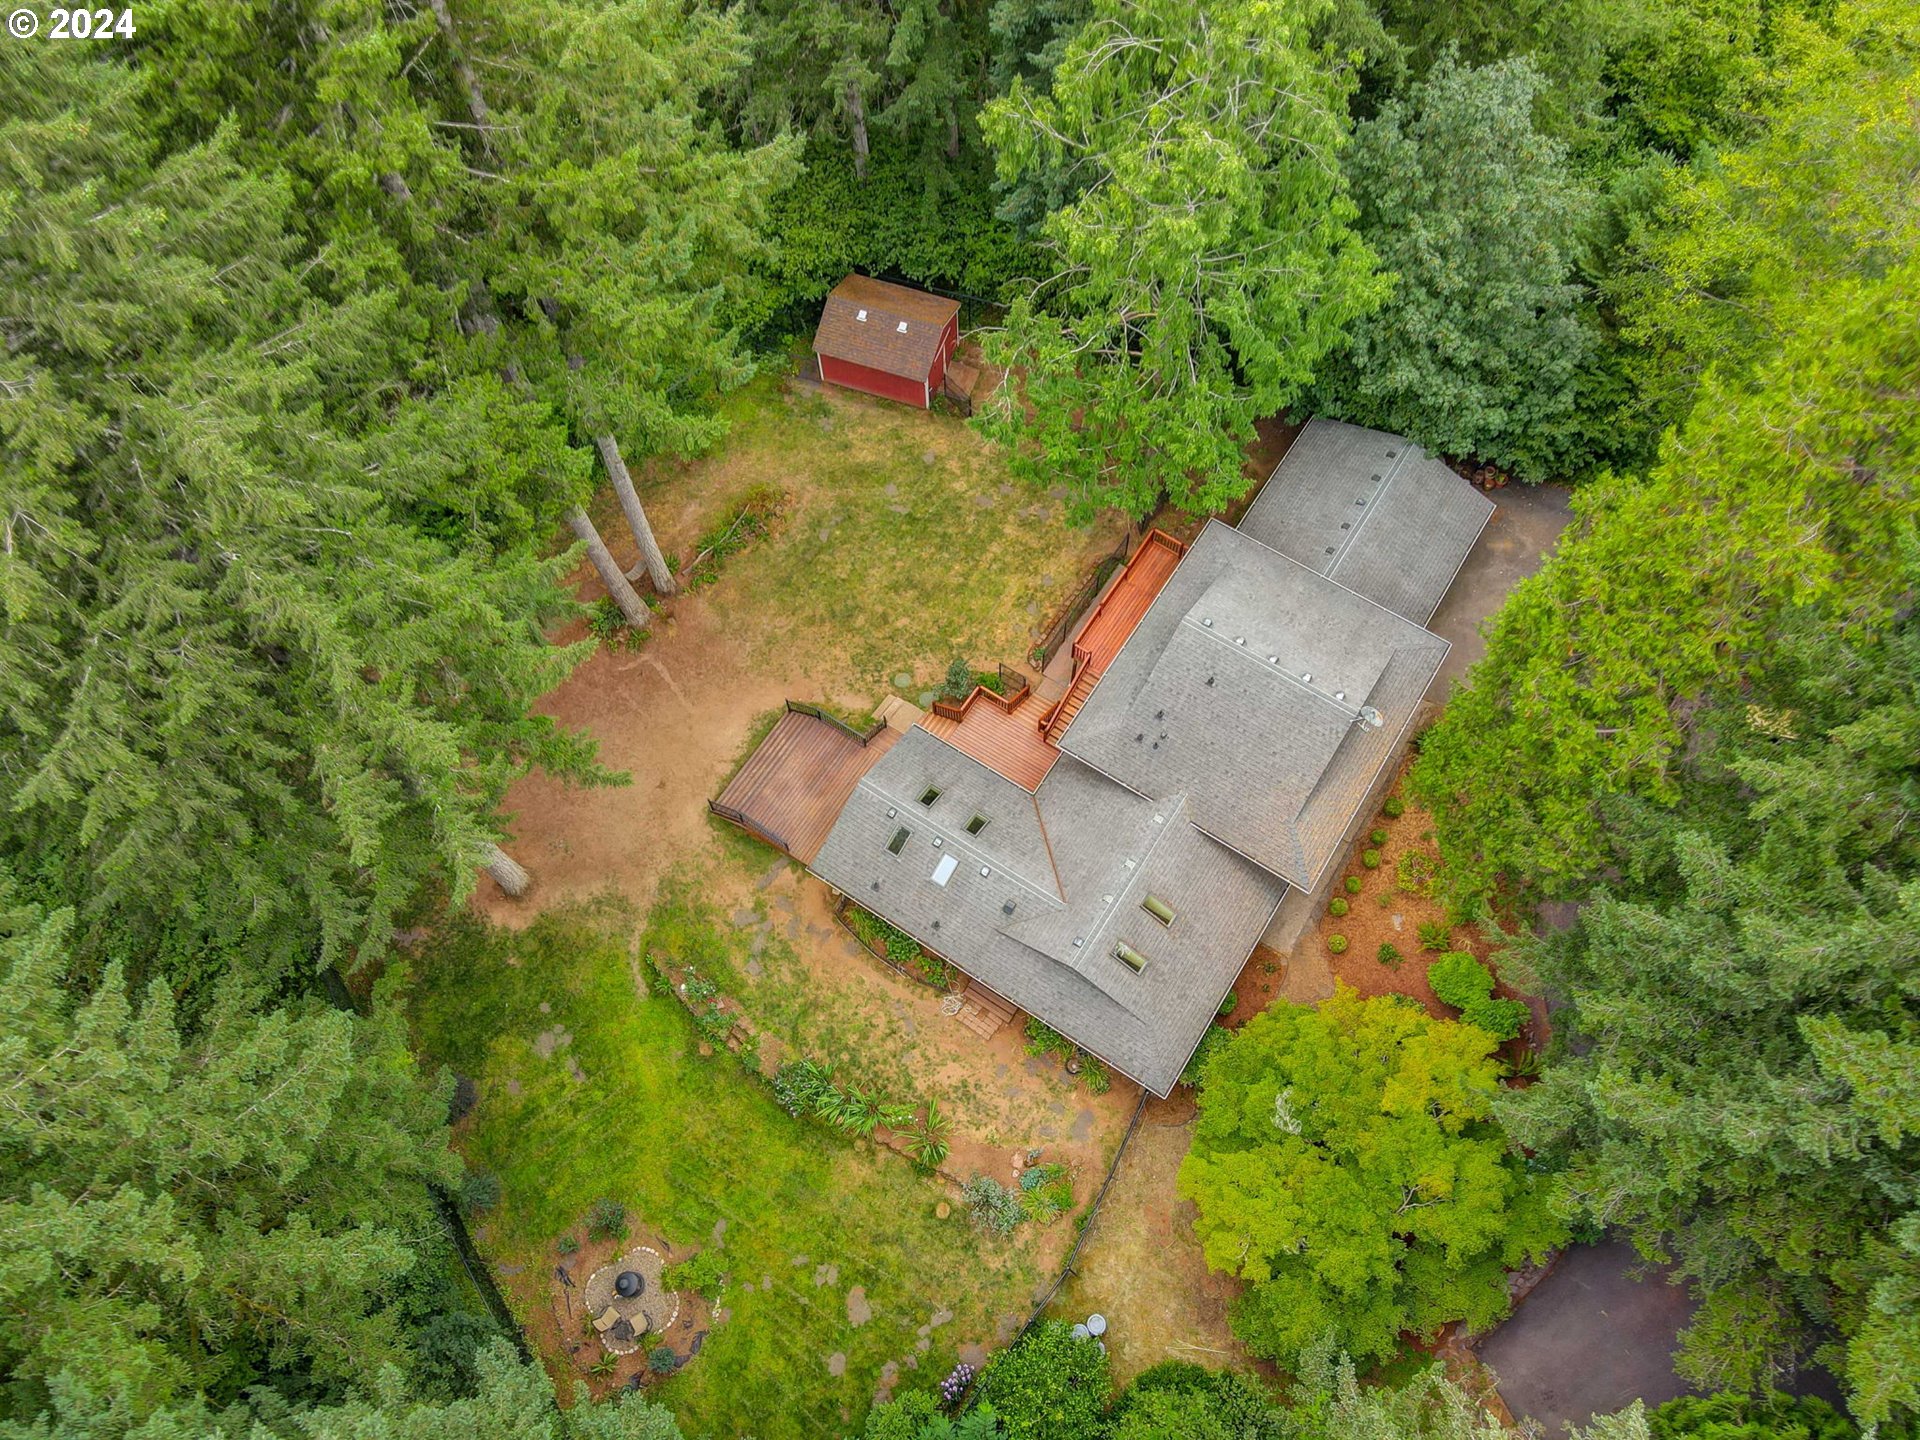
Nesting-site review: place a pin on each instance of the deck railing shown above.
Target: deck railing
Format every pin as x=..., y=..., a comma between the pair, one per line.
x=800, y=707
x=740, y=818
x=1014, y=687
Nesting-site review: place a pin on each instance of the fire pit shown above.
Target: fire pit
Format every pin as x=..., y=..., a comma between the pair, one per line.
x=626, y=1301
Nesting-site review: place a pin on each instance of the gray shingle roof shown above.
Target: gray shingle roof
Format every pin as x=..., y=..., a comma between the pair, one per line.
x=1112, y=848
x=1252, y=688
x=1373, y=511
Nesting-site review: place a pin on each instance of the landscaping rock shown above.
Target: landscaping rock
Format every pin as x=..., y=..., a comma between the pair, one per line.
x=942, y=1210
x=858, y=1310
x=837, y=1363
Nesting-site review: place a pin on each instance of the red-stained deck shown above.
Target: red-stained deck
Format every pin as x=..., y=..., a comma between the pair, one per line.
x=797, y=781
x=1007, y=742
x=1112, y=622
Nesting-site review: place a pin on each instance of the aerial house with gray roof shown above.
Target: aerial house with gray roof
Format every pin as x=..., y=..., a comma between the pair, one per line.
x=1109, y=861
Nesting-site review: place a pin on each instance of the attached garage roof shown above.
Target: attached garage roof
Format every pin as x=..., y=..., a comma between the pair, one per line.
x=1372, y=511
x=883, y=326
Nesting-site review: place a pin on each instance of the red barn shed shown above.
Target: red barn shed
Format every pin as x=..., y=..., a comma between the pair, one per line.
x=886, y=339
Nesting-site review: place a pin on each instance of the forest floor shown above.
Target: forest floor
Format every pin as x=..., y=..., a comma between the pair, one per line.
x=901, y=543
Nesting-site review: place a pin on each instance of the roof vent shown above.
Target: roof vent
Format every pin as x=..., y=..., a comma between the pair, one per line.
x=1159, y=714
x=1209, y=679
x=891, y=812
x=1339, y=694
x=943, y=872
x=1159, y=819
x=1329, y=549
x=938, y=842
x=1141, y=736
x=862, y=316
x=1078, y=941
x=985, y=870
x=876, y=887
x=1273, y=659
x=1372, y=716
x=901, y=327
x=1239, y=639
x=1376, y=479
x=1306, y=677
x=1207, y=623
x=1131, y=863
x=1106, y=899
x=1007, y=909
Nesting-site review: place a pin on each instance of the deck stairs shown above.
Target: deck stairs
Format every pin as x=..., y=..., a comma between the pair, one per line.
x=984, y=1012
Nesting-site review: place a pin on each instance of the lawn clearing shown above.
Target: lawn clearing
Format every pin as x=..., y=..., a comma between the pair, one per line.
x=903, y=541
x=590, y=1088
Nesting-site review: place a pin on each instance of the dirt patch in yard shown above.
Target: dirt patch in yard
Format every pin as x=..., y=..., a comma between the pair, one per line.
x=1143, y=1268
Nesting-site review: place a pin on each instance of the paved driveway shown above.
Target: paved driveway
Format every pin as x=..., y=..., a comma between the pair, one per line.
x=1590, y=1339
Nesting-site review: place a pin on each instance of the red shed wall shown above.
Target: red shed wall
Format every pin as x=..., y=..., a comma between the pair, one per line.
x=948, y=339
x=873, y=382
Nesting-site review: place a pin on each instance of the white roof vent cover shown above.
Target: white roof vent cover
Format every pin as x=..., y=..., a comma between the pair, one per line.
x=901, y=327
x=861, y=316
x=943, y=872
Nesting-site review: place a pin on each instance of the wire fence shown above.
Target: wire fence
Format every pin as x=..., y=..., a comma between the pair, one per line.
x=1049, y=645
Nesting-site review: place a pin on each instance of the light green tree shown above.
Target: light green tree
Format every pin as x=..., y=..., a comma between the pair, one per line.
x=1346, y=1165
x=1206, y=263
x=1482, y=349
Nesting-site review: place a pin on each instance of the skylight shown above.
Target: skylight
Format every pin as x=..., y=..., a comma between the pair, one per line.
x=930, y=794
x=1158, y=908
x=1129, y=957
x=943, y=872
x=899, y=840
x=976, y=825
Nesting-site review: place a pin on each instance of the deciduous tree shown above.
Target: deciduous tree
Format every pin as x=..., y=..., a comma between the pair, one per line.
x=1207, y=261
x=1346, y=1165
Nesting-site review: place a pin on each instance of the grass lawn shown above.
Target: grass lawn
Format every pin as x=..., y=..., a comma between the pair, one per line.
x=686, y=1141
x=904, y=541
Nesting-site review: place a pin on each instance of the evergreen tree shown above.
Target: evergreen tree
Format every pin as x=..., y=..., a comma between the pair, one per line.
x=1207, y=263
x=1346, y=1166
x=1481, y=350
x=186, y=1213
x=1743, y=1076
x=244, y=703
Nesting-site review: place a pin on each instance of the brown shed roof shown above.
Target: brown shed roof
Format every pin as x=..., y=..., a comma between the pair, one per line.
x=899, y=334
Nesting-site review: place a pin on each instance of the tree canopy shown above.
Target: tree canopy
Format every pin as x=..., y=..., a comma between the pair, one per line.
x=1206, y=261
x=1346, y=1166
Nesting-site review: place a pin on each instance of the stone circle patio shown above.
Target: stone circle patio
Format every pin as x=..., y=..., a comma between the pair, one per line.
x=624, y=1321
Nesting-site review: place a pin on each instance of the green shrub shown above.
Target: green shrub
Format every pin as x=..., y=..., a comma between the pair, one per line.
x=1353, y=884
x=994, y=1208
x=959, y=682
x=1228, y=1005
x=1370, y=859
x=606, y=624
x=662, y=1361
x=1378, y=837
x=1393, y=807
x=799, y=1084
x=751, y=519
x=1043, y=1039
x=1338, y=906
x=1094, y=1071
x=566, y=1245
x=1049, y=1386
x=1046, y=1191
x=877, y=934
x=704, y=1273
x=1337, y=944
x=1526, y=1065
x=1773, y=1416
x=1459, y=980
x=1434, y=935
x=1502, y=1019
x=1416, y=873
x=607, y=1220
x=480, y=1190
x=1389, y=955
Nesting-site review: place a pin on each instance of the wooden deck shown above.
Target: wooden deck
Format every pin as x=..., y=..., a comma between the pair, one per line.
x=1112, y=621
x=797, y=781
x=1009, y=743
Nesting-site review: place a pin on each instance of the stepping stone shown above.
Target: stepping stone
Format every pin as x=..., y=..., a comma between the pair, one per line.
x=759, y=941
x=756, y=970
x=858, y=1310
x=1082, y=1126
x=837, y=1363
x=548, y=1041
x=799, y=1260
x=766, y=1283
x=779, y=869
x=1398, y=922
x=985, y=502
x=721, y=1315
x=513, y=1086
x=974, y=1355
x=890, y=489
x=573, y=1069
x=899, y=509
x=507, y=1272
x=826, y=1274
x=745, y=917
x=902, y=680
x=927, y=457
x=913, y=1362
x=923, y=1344
x=939, y=1318
x=1006, y=489
x=719, y=1232
x=545, y=1008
